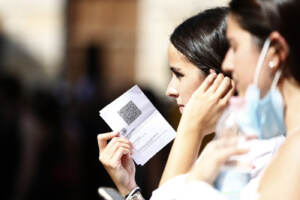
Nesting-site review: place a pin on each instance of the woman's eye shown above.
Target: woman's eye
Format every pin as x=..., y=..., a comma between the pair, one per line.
x=233, y=48
x=178, y=75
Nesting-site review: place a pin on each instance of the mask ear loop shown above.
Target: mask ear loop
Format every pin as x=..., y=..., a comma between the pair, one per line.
x=276, y=79
x=261, y=60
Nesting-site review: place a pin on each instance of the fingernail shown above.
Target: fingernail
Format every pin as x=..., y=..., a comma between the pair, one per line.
x=212, y=76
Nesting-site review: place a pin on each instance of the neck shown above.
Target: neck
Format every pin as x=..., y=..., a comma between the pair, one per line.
x=291, y=94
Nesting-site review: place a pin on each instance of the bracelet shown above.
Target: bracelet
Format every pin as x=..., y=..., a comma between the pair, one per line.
x=133, y=194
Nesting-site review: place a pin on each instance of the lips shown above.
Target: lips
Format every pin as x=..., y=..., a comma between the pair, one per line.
x=181, y=107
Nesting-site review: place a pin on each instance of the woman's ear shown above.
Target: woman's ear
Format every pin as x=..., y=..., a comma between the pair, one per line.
x=280, y=50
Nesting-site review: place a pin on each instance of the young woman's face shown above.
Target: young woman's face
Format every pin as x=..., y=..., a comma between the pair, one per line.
x=241, y=59
x=186, y=77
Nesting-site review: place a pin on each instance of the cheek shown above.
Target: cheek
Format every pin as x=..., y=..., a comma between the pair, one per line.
x=188, y=88
x=244, y=73
x=242, y=81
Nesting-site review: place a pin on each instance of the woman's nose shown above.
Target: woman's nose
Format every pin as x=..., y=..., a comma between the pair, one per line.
x=172, y=91
x=227, y=64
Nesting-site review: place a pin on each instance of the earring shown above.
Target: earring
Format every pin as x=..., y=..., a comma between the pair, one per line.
x=271, y=64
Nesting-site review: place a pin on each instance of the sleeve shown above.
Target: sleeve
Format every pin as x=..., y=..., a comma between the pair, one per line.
x=178, y=189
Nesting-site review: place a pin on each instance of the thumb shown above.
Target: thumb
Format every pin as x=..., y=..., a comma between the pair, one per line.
x=104, y=137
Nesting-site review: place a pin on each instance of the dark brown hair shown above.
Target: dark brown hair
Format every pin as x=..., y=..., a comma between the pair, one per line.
x=202, y=39
x=261, y=17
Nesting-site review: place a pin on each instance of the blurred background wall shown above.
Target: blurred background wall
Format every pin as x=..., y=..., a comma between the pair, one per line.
x=61, y=61
x=36, y=31
x=102, y=33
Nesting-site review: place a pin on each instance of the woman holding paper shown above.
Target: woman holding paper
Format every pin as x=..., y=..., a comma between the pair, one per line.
x=197, y=49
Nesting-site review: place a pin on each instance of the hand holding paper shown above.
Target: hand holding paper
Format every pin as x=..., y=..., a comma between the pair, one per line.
x=135, y=117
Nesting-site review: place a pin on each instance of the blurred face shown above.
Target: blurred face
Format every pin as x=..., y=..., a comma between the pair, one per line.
x=241, y=59
x=186, y=77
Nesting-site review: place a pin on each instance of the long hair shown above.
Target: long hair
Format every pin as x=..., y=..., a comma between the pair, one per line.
x=202, y=39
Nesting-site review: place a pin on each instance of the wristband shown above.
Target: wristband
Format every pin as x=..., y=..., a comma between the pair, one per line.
x=136, y=192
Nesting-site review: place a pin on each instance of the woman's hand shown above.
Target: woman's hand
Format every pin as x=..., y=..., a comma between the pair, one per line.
x=214, y=155
x=116, y=158
x=206, y=105
x=198, y=119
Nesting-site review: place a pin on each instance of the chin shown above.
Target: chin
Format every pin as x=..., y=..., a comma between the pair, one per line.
x=181, y=109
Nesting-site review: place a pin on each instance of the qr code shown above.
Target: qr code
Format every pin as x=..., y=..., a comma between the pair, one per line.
x=129, y=112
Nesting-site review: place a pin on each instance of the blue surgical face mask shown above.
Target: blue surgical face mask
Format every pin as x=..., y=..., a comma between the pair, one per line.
x=263, y=116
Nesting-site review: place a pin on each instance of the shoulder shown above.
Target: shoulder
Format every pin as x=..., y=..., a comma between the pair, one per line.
x=291, y=147
x=280, y=180
x=287, y=158
x=288, y=153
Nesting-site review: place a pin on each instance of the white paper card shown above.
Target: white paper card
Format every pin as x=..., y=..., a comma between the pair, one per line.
x=135, y=117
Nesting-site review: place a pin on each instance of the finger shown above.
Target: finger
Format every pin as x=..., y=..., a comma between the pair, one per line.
x=110, y=151
x=208, y=81
x=251, y=137
x=217, y=82
x=224, y=88
x=115, y=140
x=116, y=159
x=241, y=164
x=103, y=138
x=211, y=71
x=227, y=96
x=113, y=146
x=231, y=91
x=235, y=151
x=120, y=139
x=126, y=159
x=226, y=153
x=227, y=141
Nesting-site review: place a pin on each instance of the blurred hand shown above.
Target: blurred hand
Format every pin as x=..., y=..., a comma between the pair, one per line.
x=116, y=158
x=214, y=155
x=206, y=105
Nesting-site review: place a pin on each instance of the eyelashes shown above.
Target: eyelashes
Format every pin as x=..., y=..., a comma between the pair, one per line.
x=178, y=75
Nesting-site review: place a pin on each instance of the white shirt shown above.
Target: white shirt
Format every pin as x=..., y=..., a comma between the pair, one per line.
x=177, y=188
